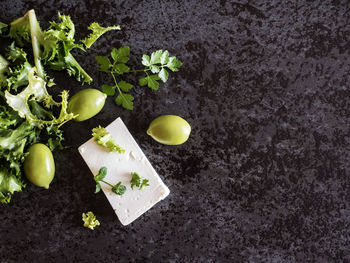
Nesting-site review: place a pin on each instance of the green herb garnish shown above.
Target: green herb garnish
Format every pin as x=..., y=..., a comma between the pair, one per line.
x=155, y=69
x=118, y=188
x=137, y=181
x=90, y=220
x=104, y=138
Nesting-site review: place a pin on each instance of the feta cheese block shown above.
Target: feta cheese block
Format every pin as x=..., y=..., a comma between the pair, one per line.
x=134, y=202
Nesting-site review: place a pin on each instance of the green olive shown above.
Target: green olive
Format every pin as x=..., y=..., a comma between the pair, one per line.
x=39, y=166
x=86, y=103
x=169, y=130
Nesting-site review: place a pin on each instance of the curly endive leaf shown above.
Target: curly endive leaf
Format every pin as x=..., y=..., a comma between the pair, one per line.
x=105, y=139
x=97, y=31
x=90, y=220
x=3, y=28
x=9, y=184
x=3, y=68
x=36, y=90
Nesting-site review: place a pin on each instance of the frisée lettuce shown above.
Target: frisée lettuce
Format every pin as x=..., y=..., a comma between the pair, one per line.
x=55, y=44
x=27, y=109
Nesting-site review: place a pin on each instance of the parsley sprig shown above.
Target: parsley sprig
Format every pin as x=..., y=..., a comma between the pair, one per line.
x=118, y=188
x=137, y=181
x=156, y=68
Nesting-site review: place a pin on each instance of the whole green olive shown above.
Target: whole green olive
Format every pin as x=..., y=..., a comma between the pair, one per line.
x=86, y=103
x=39, y=166
x=169, y=130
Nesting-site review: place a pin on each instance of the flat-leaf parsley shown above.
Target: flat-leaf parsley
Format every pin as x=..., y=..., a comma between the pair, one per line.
x=137, y=181
x=156, y=68
x=118, y=188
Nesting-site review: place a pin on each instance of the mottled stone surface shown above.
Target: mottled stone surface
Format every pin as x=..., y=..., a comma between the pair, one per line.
x=264, y=176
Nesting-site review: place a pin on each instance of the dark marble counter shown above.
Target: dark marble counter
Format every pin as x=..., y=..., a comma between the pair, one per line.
x=264, y=176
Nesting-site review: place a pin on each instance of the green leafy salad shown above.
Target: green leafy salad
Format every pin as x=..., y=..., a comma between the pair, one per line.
x=28, y=113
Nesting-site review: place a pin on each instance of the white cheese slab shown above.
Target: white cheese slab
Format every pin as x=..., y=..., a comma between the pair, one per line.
x=133, y=203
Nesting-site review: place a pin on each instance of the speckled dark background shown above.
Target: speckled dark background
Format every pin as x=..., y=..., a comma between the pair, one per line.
x=264, y=176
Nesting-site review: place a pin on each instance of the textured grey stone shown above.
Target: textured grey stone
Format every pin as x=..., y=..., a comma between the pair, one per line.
x=264, y=176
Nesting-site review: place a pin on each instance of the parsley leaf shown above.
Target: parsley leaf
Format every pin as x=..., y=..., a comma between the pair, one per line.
x=137, y=181
x=98, y=188
x=121, y=68
x=154, y=69
x=125, y=86
x=150, y=81
x=174, y=64
x=146, y=61
x=101, y=174
x=118, y=188
x=163, y=75
x=125, y=100
x=114, y=54
x=143, y=81
x=120, y=55
x=108, y=90
x=124, y=51
x=104, y=63
x=164, y=58
x=155, y=57
x=144, y=182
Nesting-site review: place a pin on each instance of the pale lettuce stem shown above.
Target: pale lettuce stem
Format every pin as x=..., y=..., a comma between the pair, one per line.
x=35, y=32
x=3, y=64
